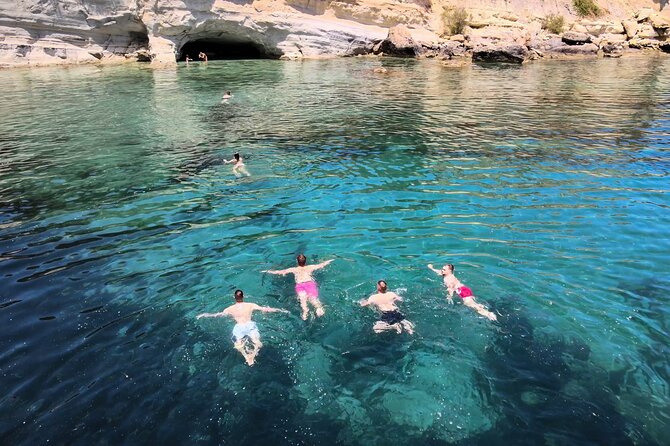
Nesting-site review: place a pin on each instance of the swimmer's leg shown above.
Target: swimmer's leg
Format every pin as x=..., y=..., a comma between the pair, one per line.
x=380, y=326
x=240, y=347
x=244, y=171
x=408, y=326
x=318, y=307
x=255, y=340
x=302, y=297
x=479, y=308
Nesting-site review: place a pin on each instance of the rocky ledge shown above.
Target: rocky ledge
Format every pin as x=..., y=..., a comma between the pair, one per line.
x=42, y=32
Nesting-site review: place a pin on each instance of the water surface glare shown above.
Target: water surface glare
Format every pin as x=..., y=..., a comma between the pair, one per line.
x=546, y=185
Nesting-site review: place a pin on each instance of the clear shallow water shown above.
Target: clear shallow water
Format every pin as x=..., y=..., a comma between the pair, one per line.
x=546, y=185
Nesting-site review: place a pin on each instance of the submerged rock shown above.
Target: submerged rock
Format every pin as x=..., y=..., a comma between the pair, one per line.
x=505, y=54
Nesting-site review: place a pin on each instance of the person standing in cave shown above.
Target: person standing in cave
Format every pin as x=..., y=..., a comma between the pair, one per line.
x=188, y=59
x=202, y=56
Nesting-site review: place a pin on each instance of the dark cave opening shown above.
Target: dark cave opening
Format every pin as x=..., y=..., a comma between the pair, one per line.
x=221, y=49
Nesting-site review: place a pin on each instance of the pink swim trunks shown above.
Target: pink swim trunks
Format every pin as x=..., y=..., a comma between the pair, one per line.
x=308, y=288
x=464, y=292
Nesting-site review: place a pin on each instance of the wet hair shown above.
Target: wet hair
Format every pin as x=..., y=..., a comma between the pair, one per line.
x=382, y=285
x=302, y=260
x=451, y=267
x=236, y=155
x=239, y=295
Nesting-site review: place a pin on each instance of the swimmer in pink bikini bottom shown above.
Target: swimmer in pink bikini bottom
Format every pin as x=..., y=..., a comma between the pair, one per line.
x=464, y=292
x=308, y=288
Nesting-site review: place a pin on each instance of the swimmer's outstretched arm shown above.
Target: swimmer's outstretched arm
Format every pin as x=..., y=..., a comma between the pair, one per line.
x=364, y=302
x=435, y=270
x=280, y=272
x=271, y=310
x=322, y=264
x=223, y=313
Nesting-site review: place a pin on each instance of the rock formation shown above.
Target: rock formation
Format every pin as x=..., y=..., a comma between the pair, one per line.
x=38, y=32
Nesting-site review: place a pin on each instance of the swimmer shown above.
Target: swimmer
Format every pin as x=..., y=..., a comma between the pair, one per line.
x=391, y=318
x=202, y=56
x=188, y=59
x=227, y=96
x=455, y=285
x=238, y=168
x=305, y=285
x=246, y=338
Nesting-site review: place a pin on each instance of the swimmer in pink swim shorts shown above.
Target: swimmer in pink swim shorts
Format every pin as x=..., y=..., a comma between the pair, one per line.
x=465, y=293
x=305, y=285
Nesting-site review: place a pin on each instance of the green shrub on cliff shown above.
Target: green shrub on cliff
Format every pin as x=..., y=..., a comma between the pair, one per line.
x=455, y=20
x=553, y=23
x=587, y=8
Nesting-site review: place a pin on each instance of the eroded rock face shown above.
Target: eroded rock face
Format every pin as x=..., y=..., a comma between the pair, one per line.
x=38, y=32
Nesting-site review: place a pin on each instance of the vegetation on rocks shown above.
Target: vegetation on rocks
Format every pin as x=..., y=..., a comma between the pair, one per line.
x=554, y=23
x=586, y=8
x=455, y=20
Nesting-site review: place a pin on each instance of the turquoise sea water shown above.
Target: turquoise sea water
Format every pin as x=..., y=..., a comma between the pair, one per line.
x=546, y=185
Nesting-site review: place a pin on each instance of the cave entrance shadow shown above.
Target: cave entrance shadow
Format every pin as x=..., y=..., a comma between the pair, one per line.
x=221, y=49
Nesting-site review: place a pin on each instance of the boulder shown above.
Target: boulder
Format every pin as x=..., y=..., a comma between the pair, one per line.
x=507, y=54
x=640, y=43
x=612, y=38
x=575, y=38
x=643, y=14
x=646, y=31
x=450, y=49
x=399, y=43
x=579, y=28
x=630, y=26
x=142, y=55
x=612, y=50
x=458, y=38
x=659, y=22
x=601, y=27
x=588, y=49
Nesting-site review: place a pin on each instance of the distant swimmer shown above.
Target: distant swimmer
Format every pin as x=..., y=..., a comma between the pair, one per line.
x=202, y=56
x=227, y=96
x=238, y=169
x=455, y=285
x=188, y=59
x=305, y=285
x=246, y=338
x=391, y=318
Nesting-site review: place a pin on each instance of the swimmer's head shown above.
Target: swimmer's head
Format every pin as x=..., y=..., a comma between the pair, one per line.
x=448, y=268
x=381, y=286
x=228, y=93
x=239, y=296
x=237, y=156
x=302, y=260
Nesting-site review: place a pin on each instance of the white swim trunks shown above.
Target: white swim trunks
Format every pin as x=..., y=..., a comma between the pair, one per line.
x=240, y=331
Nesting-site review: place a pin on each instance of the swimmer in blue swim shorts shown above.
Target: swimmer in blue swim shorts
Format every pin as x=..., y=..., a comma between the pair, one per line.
x=246, y=338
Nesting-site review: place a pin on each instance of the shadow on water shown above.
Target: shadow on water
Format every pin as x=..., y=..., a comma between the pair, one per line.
x=548, y=392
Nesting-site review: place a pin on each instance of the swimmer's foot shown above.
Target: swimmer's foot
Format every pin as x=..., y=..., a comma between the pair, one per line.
x=398, y=328
x=320, y=312
x=304, y=315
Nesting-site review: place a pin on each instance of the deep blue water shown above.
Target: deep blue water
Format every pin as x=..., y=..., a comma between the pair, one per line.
x=546, y=185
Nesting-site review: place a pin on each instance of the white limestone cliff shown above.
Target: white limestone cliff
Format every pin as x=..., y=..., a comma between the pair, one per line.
x=40, y=32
